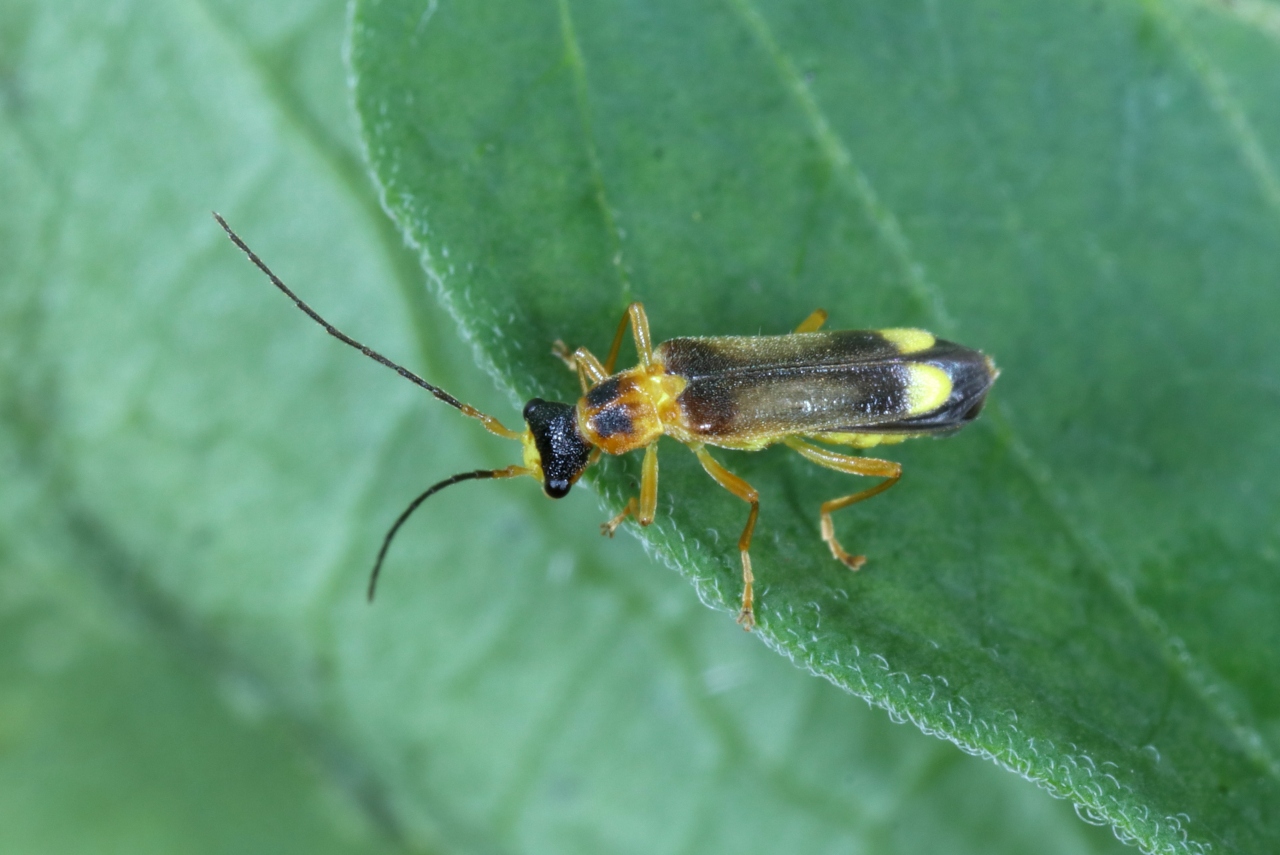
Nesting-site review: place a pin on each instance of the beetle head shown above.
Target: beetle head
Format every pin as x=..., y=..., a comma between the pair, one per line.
x=554, y=449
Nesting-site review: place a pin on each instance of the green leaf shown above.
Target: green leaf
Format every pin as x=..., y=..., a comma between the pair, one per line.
x=195, y=478
x=1084, y=587
x=191, y=468
x=110, y=743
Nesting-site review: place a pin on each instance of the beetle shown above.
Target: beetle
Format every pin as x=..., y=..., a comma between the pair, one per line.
x=852, y=388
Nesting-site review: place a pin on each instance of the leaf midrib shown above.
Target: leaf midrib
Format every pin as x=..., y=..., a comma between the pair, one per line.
x=353, y=177
x=887, y=227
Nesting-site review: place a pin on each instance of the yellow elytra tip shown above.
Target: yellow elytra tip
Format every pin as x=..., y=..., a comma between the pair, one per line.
x=928, y=387
x=909, y=340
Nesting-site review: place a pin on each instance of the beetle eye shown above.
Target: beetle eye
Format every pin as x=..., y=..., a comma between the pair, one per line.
x=557, y=489
x=532, y=407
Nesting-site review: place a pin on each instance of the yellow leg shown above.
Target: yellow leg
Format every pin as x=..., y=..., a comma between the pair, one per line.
x=640, y=330
x=814, y=322
x=647, y=506
x=583, y=361
x=869, y=466
x=744, y=491
x=590, y=370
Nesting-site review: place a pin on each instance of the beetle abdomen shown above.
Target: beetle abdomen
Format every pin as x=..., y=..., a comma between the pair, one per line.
x=749, y=391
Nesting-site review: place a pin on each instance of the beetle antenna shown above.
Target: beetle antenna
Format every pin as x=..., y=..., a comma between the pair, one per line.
x=492, y=424
x=479, y=474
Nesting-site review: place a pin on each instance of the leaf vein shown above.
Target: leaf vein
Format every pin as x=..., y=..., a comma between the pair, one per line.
x=1240, y=129
x=577, y=64
x=1172, y=649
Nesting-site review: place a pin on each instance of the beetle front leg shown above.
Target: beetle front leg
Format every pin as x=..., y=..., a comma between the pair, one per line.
x=646, y=506
x=583, y=361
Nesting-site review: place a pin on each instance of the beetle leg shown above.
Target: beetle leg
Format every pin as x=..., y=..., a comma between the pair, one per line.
x=583, y=361
x=744, y=491
x=560, y=351
x=608, y=528
x=590, y=370
x=852, y=465
x=814, y=322
x=640, y=330
x=645, y=508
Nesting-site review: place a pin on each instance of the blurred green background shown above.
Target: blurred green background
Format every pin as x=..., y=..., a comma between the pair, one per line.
x=193, y=479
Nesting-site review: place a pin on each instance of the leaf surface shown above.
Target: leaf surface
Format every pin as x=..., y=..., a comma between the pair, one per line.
x=195, y=479
x=1084, y=586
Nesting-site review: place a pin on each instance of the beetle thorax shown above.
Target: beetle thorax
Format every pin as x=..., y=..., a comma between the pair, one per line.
x=625, y=412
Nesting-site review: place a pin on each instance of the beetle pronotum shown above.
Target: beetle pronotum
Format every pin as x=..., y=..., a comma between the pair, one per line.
x=855, y=388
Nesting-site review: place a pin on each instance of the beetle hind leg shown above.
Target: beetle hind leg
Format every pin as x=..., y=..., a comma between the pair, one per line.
x=851, y=465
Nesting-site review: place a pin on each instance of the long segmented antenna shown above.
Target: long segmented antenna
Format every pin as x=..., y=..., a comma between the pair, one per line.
x=479, y=474
x=490, y=423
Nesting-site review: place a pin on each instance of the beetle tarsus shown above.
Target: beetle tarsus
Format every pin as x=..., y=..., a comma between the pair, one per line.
x=853, y=562
x=608, y=528
x=561, y=351
x=747, y=614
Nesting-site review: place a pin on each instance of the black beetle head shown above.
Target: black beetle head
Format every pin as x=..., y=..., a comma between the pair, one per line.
x=563, y=453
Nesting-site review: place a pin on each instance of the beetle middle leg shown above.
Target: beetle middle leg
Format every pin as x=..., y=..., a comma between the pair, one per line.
x=814, y=322
x=647, y=505
x=852, y=465
x=744, y=491
x=640, y=331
